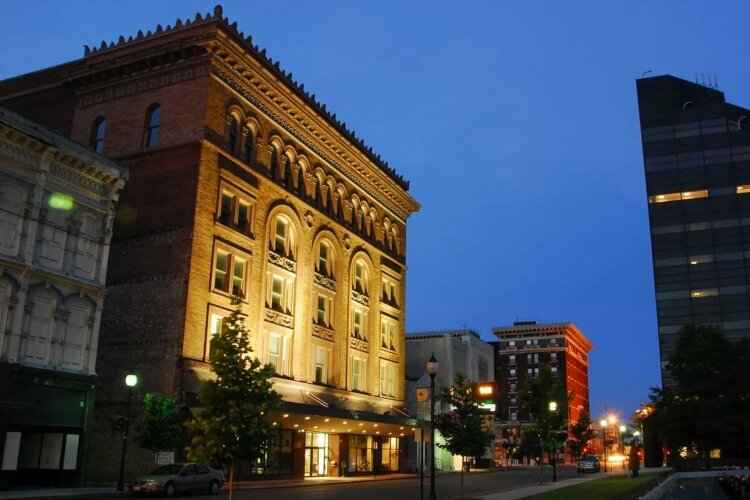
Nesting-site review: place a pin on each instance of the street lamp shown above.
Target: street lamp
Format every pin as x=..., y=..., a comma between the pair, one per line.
x=603, y=423
x=432, y=368
x=131, y=381
x=553, y=409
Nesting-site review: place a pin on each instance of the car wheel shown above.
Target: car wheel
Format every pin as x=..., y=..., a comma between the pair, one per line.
x=213, y=488
x=170, y=489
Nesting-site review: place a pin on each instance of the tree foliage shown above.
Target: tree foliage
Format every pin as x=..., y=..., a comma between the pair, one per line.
x=231, y=423
x=462, y=428
x=535, y=397
x=160, y=425
x=707, y=406
x=580, y=433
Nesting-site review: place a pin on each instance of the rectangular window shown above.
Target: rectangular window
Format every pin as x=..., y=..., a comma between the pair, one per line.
x=553, y=356
x=512, y=359
x=513, y=417
x=215, y=326
x=512, y=387
x=277, y=292
x=359, y=271
x=280, y=236
x=358, y=331
x=482, y=369
x=238, y=277
x=229, y=273
x=321, y=311
x=536, y=358
x=323, y=260
x=220, y=270
x=274, y=351
x=235, y=211
x=387, y=379
x=554, y=369
x=278, y=353
x=358, y=374
x=384, y=334
x=321, y=376
x=512, y=372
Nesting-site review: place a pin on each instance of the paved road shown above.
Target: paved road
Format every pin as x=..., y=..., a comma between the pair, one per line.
x=447, y=487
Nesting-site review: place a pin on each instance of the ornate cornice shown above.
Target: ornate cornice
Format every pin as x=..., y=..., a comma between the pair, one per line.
x=399, y=212
x=325, y=282
x=323, y=333
x=361, y=298
x=278, y=318
x=282, y=262
x=359, y=345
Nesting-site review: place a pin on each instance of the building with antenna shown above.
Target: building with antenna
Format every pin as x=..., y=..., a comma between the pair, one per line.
x=696, y=155
x=242, y=183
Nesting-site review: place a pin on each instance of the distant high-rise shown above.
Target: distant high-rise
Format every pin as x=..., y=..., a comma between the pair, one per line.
x=696, y=151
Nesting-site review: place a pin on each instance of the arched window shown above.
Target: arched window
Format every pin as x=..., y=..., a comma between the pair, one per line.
x=232, y=132
x=153, y=119
x=323, y=264
x=249, y=147
x=361, y=277
x=274, y=163
x=283, y=238
x=97, y=134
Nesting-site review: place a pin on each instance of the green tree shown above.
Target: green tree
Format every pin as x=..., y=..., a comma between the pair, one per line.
x=545, y=399
x=463, y=428
x=231, y=423
x=707, y=404
x=160, y=425
x=581, y=433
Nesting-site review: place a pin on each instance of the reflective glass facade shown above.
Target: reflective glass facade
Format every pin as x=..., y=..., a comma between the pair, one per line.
x=696, y=150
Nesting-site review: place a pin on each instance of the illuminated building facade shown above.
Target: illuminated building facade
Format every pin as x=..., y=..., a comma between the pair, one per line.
x=56, y=214
x=696, y=153
x=521, y=349
x=242, y=184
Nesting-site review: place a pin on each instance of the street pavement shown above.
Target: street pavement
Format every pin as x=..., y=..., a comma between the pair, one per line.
x=494, y=484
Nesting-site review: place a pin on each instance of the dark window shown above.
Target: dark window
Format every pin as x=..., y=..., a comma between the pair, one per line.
x=249, y=147
x=97, y=134
x=153, y=119
x=234, y=128
x=274, y=163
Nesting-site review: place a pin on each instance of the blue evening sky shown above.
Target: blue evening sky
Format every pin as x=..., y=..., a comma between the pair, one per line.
x=516, y=123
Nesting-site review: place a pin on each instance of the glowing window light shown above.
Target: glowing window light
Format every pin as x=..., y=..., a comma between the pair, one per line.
x=60, y=201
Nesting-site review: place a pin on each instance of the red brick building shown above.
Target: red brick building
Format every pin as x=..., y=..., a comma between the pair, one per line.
x=241, y=183
x=519, y=352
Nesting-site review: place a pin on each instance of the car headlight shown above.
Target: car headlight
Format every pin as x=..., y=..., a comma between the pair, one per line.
x=154, y=482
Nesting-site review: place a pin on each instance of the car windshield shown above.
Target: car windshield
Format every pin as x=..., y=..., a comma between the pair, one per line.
x=167, y=470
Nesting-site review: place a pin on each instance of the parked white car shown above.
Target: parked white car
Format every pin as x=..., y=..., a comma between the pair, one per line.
x=179, y=478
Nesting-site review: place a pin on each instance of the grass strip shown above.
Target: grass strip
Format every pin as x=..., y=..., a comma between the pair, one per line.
x=609, y=488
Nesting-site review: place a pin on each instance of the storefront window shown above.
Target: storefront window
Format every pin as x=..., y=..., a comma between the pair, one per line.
x=360, y=454
x=389, y=455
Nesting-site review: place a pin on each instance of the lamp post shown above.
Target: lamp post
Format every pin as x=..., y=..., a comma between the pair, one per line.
x=432, y=368
x=131, y=381
x=603, y=423
x=553, y=409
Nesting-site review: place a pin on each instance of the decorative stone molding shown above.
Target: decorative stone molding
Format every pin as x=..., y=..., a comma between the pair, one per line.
x=324, y=281
x=282, y=262
x=310, y=181
x=278, y=318
x=323, y=333
x=309, y=219
x=359, y=345
x=347, y=243
x=348, y=208
x=361, y=298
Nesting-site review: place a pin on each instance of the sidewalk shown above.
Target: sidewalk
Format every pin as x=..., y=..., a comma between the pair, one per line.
x=528, y=491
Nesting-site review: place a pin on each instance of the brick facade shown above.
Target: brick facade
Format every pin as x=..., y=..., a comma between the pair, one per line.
x=173, y=233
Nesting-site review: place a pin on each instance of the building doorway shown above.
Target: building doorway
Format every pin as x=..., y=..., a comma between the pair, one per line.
x=316, y=454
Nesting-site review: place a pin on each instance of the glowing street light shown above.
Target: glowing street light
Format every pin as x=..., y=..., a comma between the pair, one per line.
x=131, y=380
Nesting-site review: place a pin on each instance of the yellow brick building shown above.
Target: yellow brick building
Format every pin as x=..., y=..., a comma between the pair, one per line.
x=241, y=183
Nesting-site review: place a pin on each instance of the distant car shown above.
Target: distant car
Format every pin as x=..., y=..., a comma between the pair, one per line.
x=589, y=463
x=173, y=479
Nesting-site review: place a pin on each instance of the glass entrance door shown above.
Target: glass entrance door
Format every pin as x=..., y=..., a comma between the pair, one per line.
x=316, y=454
